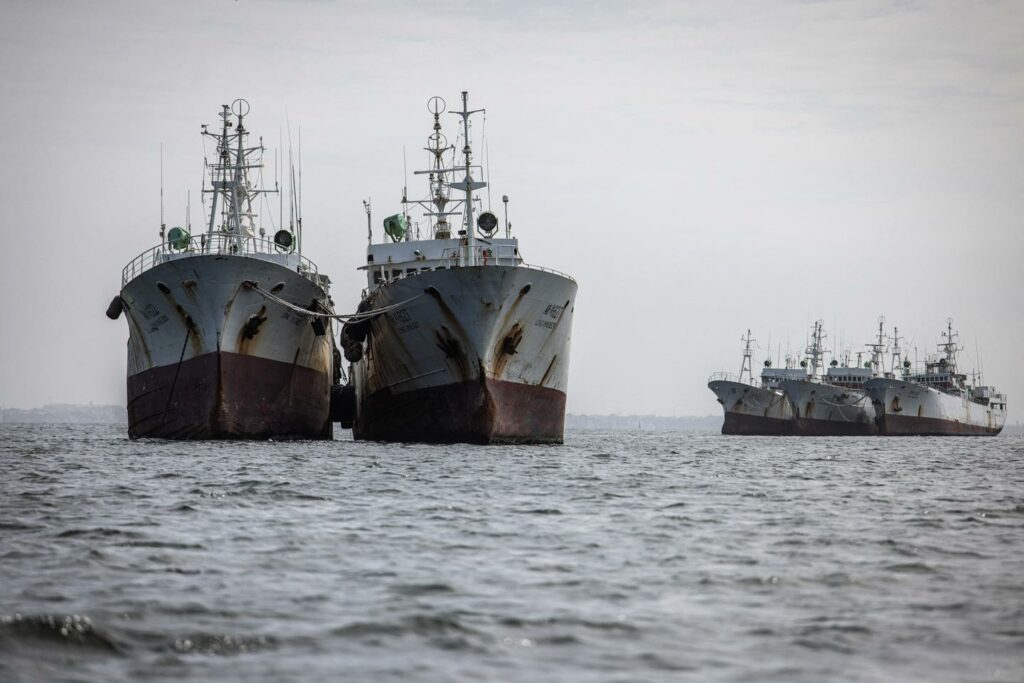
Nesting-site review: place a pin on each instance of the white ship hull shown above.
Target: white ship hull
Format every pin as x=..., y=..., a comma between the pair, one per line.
x=908, y=408
x=753, y=410
x=822, y=409
x=209, y=358
x=478, y=354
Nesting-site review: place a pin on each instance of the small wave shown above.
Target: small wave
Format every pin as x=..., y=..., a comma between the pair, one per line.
x=836, y=579
x=656, y=661
x=170, y=545
x=619, y=624
x=222, y=644
x=909, y=568
x=72, y=629
x=98, y=532
x=558, y=639
x=948, y=607
x=413, y=589
x=540, y=511
x=829, y=645
x=815, y=629
x=419, y=624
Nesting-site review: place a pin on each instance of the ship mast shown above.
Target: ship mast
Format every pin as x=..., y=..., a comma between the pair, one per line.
x=436, y=203
x=878, y=350
x=229, y=178
x=748, y=354
x=816, y=349
x=467, y=184
x=950, y=346
x=897, y=352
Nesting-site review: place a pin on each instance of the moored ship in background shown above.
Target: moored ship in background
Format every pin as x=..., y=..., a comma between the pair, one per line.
x=832, y=401
x=752, y=408
x=463, y=341
x=937, y=401
x=209, y=357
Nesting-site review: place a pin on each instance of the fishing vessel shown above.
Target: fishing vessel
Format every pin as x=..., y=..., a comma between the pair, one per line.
x=756, y=407
x=209, y=356
x=832, y=401
x=937, y=401
x=463, y=340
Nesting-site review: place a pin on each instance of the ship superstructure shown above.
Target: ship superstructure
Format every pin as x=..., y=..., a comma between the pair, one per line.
x=209, y=356
x=756, y=407
x=938, y=400
x=471, y=344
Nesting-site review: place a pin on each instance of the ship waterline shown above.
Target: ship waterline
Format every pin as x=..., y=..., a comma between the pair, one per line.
x=228, y=396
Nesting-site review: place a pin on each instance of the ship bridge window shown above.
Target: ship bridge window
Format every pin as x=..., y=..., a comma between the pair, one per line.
x=410, y=271
x=395, y=274
x=376, y=277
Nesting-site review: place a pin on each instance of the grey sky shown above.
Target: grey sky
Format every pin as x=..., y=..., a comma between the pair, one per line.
x=699, y=167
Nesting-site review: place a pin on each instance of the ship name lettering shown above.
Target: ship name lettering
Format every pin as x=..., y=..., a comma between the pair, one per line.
x=553, y=311
x=157, y=323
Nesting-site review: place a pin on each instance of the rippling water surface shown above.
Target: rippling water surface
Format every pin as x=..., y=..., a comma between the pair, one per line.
x=617, y=557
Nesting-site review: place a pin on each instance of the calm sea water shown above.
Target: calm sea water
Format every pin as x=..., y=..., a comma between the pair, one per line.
x=616, y=557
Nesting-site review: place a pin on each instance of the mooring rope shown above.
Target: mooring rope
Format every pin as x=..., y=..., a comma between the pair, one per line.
x=346, y=317
x=181, y=359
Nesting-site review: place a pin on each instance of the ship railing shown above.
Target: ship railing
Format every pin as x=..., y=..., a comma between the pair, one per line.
x=486, y=255
x=217, y=244
x=494, y=255
x=723, y=377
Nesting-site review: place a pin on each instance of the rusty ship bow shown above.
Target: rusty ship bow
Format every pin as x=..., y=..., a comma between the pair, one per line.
x=463, y=341
x=209, y=356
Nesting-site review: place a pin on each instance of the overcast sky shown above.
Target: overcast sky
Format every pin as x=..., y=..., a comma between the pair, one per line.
x=699, y=167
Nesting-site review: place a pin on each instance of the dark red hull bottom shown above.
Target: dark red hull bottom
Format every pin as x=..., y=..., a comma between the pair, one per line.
x=910, y=425
x=755, y=425
x=492, y=411
x=229, y=396
x=809, y=427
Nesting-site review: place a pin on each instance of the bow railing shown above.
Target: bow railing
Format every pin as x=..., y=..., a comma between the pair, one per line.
x=218, y=244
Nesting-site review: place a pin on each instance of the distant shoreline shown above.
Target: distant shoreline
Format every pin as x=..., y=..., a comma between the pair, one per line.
x=67, y=413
